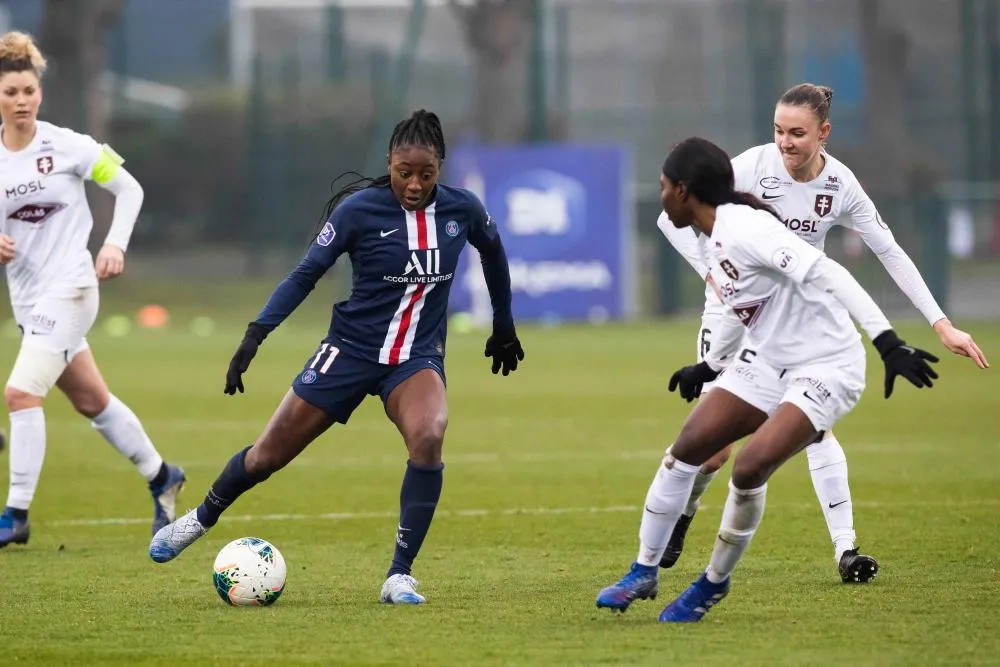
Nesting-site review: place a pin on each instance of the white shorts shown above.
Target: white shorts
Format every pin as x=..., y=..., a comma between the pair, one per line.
x=52, y=332
x=824, y=391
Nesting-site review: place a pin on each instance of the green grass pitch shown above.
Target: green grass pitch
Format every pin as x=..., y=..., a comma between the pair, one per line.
x=546, y=472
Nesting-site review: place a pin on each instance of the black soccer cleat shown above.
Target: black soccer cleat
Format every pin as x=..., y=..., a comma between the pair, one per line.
x=857, y=568
x=676, y=544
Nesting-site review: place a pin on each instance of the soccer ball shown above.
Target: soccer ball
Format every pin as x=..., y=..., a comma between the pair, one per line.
x=249, y=572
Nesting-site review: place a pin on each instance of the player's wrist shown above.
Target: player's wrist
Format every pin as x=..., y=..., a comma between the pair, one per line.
x=887, y=341
x=942, y=325
x=256, y=332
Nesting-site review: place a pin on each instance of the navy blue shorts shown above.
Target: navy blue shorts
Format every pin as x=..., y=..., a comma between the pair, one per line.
x=337, y=383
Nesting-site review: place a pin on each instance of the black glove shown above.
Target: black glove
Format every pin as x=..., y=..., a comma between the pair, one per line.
x=690, y=380
x=901, y=359
x=245, y=353
x=505, y=349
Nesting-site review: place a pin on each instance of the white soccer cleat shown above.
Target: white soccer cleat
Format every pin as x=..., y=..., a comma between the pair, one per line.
x=400, y=589
x=174, y=538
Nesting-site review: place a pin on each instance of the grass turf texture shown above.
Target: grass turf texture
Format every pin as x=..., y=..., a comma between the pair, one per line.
x=546, y=472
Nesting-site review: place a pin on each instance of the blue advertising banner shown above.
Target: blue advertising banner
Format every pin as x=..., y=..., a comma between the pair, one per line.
x=566, y=226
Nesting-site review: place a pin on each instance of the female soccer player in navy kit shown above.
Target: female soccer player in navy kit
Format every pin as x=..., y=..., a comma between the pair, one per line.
x=404, y=233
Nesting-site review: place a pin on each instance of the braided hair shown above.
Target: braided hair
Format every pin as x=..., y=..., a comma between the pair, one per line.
x=422, y=128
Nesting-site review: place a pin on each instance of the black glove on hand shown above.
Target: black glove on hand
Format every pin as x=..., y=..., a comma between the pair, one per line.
x=901, y=359
x=690, y=380
x=505, y=349
x=245, y=353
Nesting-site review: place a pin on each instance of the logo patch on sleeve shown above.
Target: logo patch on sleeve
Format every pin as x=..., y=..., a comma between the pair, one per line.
x=785, y=260
x=326, y=235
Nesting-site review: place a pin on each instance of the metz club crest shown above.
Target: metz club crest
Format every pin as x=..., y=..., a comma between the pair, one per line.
x=730, y=270
x=823, y=205
x=45, y=164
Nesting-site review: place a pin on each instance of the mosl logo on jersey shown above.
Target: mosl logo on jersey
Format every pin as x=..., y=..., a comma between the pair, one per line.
x=36, y=213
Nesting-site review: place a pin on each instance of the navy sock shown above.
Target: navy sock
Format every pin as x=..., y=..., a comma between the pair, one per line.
x=160, y=478
x=418, y=498
x=19, y=515
x=230, y=485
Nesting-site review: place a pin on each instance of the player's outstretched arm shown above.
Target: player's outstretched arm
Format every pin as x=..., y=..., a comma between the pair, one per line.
x=503, y=344
x=899, y=358
x=879, y=238
x=685, y=242
x=289, y=294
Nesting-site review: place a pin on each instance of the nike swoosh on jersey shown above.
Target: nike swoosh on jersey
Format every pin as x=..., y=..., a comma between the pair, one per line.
x=384, y=233
x=767, y=198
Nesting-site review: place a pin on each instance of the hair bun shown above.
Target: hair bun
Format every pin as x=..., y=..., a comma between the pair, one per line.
x=19, y=47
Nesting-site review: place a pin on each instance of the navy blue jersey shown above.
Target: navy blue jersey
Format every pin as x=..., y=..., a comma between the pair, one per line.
x=403, y=265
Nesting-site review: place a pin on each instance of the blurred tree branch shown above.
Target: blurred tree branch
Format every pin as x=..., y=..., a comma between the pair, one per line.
x=73, y=38
x=496, y=32
x=885, y=47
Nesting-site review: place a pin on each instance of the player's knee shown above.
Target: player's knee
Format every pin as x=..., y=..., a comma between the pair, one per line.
x=716, y=462
x=694, y=444
x=17, y=399
x=426, y=439
x=751, y=469
x=89, y=403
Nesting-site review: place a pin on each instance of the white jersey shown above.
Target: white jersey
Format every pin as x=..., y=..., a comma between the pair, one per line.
x=810, y=210
x=759, y=268
x=45, y=211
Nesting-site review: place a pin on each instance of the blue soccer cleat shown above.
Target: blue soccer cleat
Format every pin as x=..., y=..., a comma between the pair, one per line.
x=175, y=537
x=12, y=531
x=695, y=602
x=165, y=497
x=640, y=583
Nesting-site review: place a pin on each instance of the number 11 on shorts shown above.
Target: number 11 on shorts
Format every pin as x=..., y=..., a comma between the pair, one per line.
x=331, y=353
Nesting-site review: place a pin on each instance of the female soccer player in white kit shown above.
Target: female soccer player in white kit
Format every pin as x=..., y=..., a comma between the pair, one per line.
x=802, y=368
x=811, y=191
x=52, y=280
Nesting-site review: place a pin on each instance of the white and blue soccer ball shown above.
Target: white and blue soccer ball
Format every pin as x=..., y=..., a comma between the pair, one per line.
x=249, y=572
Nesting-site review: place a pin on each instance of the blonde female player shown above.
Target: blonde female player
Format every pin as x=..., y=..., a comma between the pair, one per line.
x=52, y=280
x=811, y=191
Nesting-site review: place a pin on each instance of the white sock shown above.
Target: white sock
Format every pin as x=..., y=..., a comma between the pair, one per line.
x=701, y=482
x=119, y=426
x=665, y=501
x=27, y=453
x=828, y=468
x=740, y=518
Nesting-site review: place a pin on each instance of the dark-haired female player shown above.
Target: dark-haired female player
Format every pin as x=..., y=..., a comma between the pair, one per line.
x=403, y=232
x=811, y=191
x=785, y=387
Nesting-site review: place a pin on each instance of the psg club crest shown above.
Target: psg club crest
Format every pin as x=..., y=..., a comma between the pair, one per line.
x=45, y=164
x=451, y=228
x=823, y=205
x=309, y=377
